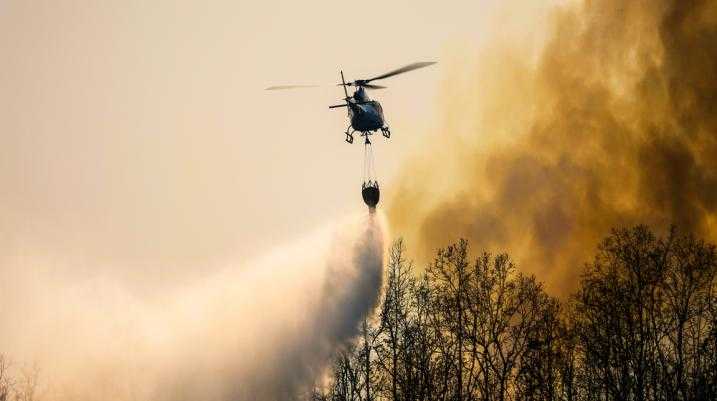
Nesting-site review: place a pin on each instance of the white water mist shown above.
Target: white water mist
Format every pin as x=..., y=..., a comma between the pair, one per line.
x=264, y=331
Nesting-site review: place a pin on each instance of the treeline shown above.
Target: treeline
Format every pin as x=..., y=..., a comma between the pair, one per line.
x=642, y=325
x=20, y=386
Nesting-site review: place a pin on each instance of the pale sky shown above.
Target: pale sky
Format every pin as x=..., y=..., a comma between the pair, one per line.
x=136, y=136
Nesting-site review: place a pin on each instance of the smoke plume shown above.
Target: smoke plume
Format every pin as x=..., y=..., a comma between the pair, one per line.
x=263, y=332
x=614, y=124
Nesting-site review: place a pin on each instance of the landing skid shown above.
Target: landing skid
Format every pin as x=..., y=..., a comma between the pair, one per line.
x=385, y=131
x=349, y=135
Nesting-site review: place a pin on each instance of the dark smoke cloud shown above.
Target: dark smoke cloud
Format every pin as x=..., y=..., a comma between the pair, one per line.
x=615, y=124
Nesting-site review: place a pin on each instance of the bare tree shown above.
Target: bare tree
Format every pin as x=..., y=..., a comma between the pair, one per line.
x=449, y=277
x=643, y=316
x=6, y=384
x=642, y=326
x=392, y=346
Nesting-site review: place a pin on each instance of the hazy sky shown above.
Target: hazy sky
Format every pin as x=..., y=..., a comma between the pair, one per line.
x=142, y=164
x=135, y=137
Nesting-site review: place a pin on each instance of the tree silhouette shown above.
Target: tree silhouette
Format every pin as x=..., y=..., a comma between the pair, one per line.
x=641, y=326
x=19, y=384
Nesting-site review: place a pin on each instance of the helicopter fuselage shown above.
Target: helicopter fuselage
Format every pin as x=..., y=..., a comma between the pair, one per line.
x=366, y=114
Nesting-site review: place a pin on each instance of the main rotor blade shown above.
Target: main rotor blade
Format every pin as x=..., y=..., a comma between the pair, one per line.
x=280, y=87
x=403, y=69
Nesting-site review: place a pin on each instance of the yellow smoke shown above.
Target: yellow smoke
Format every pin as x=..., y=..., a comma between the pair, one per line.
x=614, y=124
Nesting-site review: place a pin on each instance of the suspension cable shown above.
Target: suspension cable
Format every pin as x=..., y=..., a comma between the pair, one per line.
x=369, y=170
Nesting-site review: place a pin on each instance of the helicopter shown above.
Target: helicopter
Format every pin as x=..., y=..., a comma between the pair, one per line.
x=366, y=117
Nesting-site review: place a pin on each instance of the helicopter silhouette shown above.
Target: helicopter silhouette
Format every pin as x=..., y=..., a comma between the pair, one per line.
x=365, y=114
x=366, y=117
